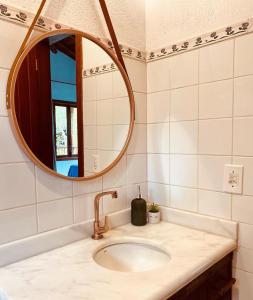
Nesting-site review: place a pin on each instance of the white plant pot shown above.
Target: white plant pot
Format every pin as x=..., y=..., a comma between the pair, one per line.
x=154, y=218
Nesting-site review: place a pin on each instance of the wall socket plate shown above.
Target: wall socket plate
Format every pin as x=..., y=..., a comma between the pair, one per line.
x=233, y=179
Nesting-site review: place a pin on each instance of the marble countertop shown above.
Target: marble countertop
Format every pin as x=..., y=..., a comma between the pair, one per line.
x=71, y=273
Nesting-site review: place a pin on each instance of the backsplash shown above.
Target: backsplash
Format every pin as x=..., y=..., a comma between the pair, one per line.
x=199, y=118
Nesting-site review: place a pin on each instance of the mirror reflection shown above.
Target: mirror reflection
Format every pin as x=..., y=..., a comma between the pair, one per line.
x=72, y=105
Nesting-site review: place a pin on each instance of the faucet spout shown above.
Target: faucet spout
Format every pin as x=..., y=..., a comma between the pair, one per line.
x=99, y=229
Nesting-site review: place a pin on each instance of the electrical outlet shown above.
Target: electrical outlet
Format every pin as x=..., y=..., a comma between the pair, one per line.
x=233, y=177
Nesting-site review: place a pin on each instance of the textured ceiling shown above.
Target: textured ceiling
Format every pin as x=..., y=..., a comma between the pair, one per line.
x=128, y=17
x=170, y=21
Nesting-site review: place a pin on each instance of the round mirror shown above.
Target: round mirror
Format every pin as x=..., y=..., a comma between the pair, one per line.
x=71, y=104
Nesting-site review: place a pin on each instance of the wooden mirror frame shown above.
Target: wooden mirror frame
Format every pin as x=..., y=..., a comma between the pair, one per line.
x=11, y=101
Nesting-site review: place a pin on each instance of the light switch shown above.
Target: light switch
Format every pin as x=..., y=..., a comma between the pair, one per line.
x=233, y=177
x=95, y=158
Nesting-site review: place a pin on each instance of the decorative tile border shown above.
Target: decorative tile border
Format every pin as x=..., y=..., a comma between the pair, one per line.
x=202, y=40
x=13, y=14
x=25, y=18
x=100, y=70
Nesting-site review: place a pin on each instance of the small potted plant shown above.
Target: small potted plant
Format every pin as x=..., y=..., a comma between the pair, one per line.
x=154, y=213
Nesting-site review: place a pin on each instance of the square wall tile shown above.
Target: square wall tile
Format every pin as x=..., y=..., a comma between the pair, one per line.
x=158, y=75
x=215, y=136
x=184, y=170
x=159, y=168
x=184, y=198
x=137, y=71
x=211, y=170
x=3, y=83
x=216, y=99
x=17, y=223
x=12, y=35
x=87, y=187
x=104, y=112
x=140, y=107
x=242, y=209
x=184, y=137
x=17, y=185
x=11, y=152
x=104, y=86
x=121, y=111
x=243, y=55
x=247, y=163
x=242, y=136
x=83, y=208
x=51, y=187
x=111, y=205
x=138, y=143
x=158, y=138
x=136, y=168
x=89, y=89
x=119, y=86
x=105, y=137
x=245, y=235
x=216, y=61
x=159, y=193
x=243, y=259
x=184, y=69
x=119, y=136
x=158, y=107
x=215, y=204
x=90, y=137
x=184, y=104
x=55, y=214
x=243, y=104
x=116, y=177
x=90, y=113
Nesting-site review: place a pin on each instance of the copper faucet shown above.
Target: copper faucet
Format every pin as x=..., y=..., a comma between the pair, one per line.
x=98, y=228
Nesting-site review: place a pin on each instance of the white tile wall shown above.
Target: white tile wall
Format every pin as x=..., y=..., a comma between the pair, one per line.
x=210, y=117
x=158, y=138
x=216, y=61
x=184, y=137
x=183, y=170
x=216, y=99
x=215, y=136
x=17, y=177
x=54, y=214
x=184, y=104
x=184, y=69
x=158, y=105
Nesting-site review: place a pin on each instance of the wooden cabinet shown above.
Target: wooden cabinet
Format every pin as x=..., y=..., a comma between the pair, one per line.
x=214, y=284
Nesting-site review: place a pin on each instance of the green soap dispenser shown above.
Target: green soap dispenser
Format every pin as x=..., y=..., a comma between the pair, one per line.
x=139, y=210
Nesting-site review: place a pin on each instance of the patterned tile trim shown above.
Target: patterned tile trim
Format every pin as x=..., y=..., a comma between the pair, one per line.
x=13, y=14
x=25, y=18
x=99, y=70
x=202, y=40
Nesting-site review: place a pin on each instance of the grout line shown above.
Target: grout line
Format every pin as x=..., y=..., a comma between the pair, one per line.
x=201, y=83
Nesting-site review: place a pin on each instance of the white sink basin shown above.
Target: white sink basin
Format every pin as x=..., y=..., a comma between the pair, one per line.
x=131, y=256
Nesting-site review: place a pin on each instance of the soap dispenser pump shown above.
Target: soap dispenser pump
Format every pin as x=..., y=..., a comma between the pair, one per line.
x=139, y=210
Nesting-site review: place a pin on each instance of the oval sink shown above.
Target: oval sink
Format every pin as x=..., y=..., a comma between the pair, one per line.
x=131, y=257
